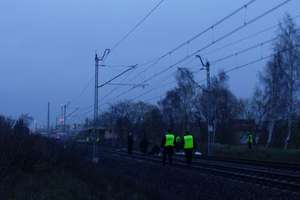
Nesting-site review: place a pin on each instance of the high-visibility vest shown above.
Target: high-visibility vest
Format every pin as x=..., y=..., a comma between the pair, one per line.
x=169, y=140
x=188, y=142
x=250, y=138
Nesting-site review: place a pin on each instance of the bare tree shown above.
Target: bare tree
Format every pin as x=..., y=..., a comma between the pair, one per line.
x=178, y=105
x=281, y=79
x=289, y=45
x=170, y=106
x=274, y=87
x=226, y=107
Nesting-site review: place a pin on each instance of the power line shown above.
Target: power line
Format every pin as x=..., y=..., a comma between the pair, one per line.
x=169, y=83
x=117, y=76
x=152, y=89
x=244, y=50
x=137, y=25
x=212, y=43
x=187, y=42
x=83, y=90
x=76, y=98
x=84, y=113
x=245, y=38
x=219, y=39
x=113, y=66
x=130, y=89
x=228, y=70
x=256, y=61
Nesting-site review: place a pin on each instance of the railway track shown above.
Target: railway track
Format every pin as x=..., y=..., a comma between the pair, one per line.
x=274, y=178
x=293, y=167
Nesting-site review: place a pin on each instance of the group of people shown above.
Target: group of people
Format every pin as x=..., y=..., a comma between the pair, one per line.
x=170, y=143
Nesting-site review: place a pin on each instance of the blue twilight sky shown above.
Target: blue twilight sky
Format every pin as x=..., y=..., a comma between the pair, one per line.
x=47, y=48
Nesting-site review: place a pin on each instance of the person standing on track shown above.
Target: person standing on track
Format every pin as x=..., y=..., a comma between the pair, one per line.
x=130, y=142
x=250, y=140
x=168, y=144
x=188, y=146
x=178, y=143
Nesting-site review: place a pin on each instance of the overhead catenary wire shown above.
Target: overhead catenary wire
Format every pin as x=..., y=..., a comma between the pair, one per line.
x=257, y=60
x=211, y=44
x=76, y=98
x=258, y=45
x=229, y=70
x=82, y=91
x=203, y=80
x=166, y=84
x=137, y=25
x=117, y=76
x=248, y=22
x=241, y=40
x=245, y=38
x=130, y=32
x=187, y=42
x=219, y=39
x=155, y=61
x=113, y=66
x=152, y=89
x=166, y=78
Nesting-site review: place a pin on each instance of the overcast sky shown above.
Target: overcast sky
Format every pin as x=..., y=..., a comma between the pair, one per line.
x=47, y=48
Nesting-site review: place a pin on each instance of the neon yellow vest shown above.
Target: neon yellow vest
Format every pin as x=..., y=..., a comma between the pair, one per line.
x=250, y=138
x=188, y=142
x=169, y=140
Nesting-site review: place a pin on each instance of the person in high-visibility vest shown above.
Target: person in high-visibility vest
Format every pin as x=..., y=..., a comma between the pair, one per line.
x=250, y=140
x=178, y=143
x=188, y=146
x=88, y=139
x=168, y=144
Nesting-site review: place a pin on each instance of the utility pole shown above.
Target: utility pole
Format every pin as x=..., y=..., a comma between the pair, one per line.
x=48, y=118
x=206, y=66
x=61, y=118
x=96, y=102
x=97, y=60
x=64, y=116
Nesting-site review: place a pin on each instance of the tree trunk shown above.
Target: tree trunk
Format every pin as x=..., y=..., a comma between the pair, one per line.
x=214, y=132
x=290, y=109
x=288, y=137
x=270, y=133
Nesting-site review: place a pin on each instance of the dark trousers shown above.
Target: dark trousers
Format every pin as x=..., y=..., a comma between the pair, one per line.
x=168, y=152
x=129, y=148
x=178, y=146
x=188, y=155
x=249, y=145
